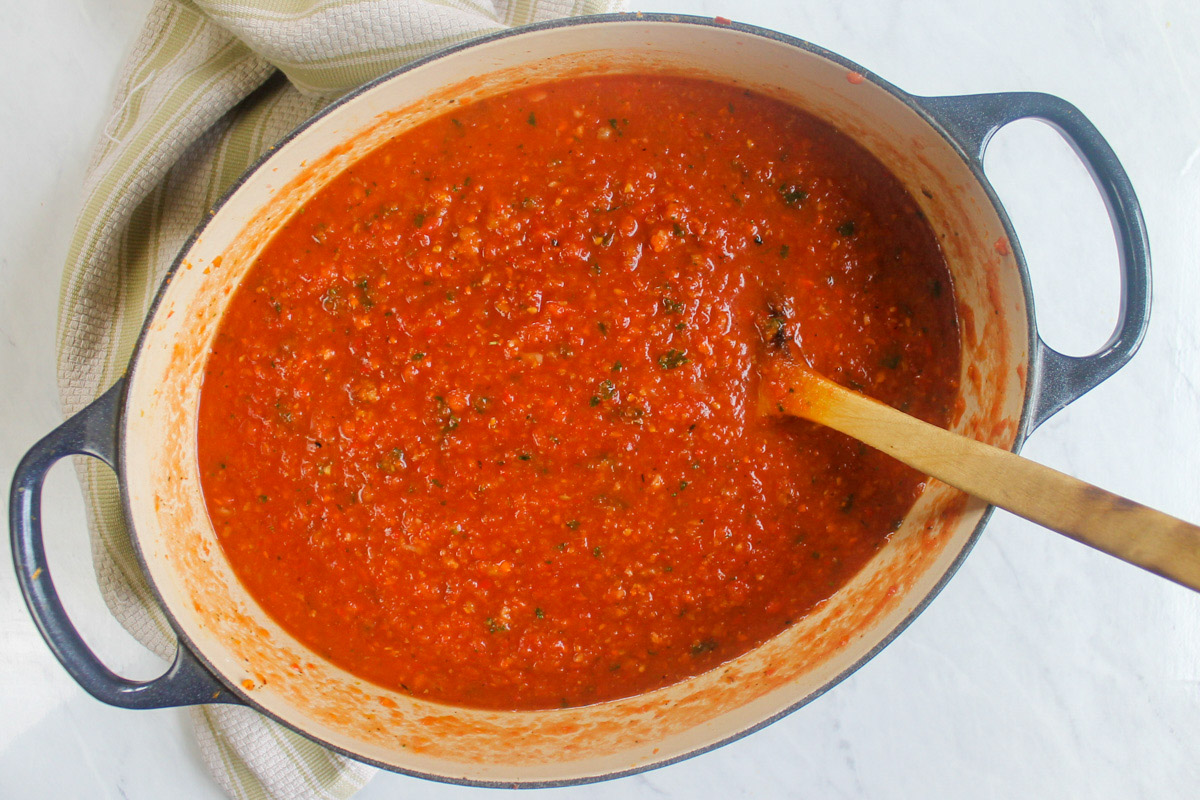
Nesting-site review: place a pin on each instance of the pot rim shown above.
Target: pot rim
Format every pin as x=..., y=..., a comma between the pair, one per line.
x=913, y=102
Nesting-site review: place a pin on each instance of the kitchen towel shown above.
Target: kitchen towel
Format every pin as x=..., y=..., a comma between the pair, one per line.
x=209, y=86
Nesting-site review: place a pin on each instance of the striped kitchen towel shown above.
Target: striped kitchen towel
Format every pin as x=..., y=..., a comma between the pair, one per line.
x=209, y=86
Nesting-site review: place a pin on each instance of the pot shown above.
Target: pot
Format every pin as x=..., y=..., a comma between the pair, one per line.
x=232, y=652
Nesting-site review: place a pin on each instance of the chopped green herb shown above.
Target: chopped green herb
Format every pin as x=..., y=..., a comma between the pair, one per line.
x=595, y=401
x=704, y=646
x=495, y=626
x=597, y=552
x=793, y=195
x=616, y=366
x=784, y=250
x=846, y=228
x=776, y=327
x=537, y=612
x=417, y=356
x=364, y=288
x=524, y=456
x=891, y=361
x=532, y=119
x=481, y=404
x=603, y=328
x=672, y=359
x=607, y=389
x=573, y=524
x=446, y=414
x=672, y=306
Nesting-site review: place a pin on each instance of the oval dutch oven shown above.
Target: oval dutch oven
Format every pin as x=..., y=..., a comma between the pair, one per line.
x=232, y=652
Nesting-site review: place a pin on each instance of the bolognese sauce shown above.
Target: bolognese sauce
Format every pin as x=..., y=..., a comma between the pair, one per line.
x=479, y=425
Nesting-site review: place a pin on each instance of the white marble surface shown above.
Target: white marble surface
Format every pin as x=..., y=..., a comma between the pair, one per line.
x=1043, y=670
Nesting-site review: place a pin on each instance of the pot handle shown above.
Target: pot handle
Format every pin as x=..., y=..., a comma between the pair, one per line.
x=91, y=432
x=972, y=120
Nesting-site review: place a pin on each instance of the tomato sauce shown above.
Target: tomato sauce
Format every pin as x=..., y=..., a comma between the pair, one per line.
x=480, y=424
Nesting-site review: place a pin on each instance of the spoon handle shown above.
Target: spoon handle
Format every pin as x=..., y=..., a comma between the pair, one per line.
x=1134, y=533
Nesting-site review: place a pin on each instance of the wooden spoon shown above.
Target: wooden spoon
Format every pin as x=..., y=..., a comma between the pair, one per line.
x=1110, y=523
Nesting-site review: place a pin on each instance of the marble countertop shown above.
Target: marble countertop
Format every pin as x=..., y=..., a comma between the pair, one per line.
x=1044, y=669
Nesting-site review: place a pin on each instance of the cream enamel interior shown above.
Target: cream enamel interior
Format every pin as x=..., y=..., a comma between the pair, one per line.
x=227, y=627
